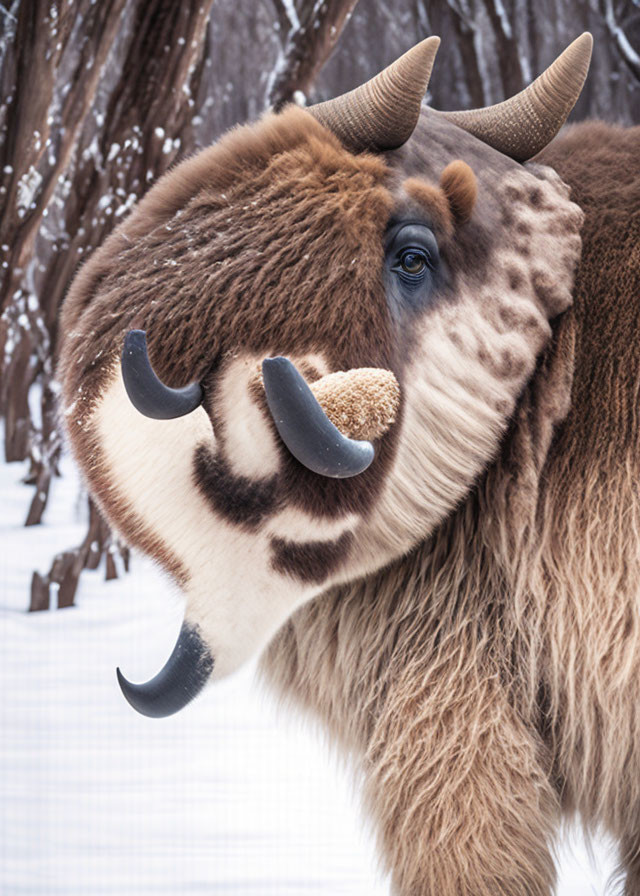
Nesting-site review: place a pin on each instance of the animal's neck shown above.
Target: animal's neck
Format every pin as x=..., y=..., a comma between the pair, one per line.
x=533, y=581
x=346, y=653
x=350, y=650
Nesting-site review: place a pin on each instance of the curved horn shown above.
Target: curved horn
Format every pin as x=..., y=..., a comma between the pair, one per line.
x=183, y=677
x=522, y=126
x=305, y=428
x=147, y=393
x=382, y=113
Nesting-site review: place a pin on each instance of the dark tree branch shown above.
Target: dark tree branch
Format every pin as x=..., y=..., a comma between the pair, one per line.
x=507, y=51
x=629, y=55
x=33, y=157
x=307, y=45
x=285, y=24
x=144, y=126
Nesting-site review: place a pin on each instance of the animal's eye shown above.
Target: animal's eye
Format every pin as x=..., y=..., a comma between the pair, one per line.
x=413, y=261
x=412, y=264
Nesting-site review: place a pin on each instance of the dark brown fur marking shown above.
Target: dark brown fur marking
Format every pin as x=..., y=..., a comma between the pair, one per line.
x=239, y=500
x=310, y=561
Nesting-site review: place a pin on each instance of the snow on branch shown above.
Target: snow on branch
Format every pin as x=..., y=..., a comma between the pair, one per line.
x=309, y=32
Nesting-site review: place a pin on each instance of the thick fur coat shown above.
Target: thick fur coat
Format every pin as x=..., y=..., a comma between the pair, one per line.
x=470, y=619
x=489, y=679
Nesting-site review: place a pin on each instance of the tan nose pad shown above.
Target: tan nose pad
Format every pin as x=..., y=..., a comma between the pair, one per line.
x=362, y=403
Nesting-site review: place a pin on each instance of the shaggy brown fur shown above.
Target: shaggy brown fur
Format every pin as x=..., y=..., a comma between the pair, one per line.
x=485, y=681
x=200, y=255
x=459, y=185
x=488, y=682
x=229, y=246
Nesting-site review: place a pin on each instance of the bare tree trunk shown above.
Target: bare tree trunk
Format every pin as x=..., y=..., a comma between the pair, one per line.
x=37, y=142
x=65, y=570
x=310, y=33
x=506, y=44
x=54, y=154
x=143, y=130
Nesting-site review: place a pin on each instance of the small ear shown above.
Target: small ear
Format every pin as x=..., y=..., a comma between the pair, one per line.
x=458, y=183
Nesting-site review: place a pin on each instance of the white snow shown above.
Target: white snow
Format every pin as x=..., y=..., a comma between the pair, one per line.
x=27, y=188
x=292, y=15
x=227, y=797
x=93, y=151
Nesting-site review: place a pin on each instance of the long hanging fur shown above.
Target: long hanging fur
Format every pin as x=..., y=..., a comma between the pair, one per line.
x=488, y=682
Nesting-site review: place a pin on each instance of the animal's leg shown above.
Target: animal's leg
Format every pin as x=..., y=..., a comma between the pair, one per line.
x=460, y=796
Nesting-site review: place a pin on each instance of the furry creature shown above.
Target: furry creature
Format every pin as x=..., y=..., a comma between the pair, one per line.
x=457, y=598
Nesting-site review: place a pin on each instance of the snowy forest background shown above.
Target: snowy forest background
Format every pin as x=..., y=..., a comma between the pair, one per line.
x=97, y=99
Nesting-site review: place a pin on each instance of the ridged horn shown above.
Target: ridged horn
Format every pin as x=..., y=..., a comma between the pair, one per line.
x=522, y=126
x=382, y=113
x=305, y=428
x=183, y=677
x=147, y=393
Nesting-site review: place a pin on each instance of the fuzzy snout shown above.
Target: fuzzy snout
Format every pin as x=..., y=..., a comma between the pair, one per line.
x=362, y=403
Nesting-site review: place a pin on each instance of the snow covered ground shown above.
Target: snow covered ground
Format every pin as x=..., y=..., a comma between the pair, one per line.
x=228, y=797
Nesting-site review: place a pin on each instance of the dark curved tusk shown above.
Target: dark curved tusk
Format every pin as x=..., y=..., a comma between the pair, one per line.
x=305, y=428
x=147, y=393
x=183, y=677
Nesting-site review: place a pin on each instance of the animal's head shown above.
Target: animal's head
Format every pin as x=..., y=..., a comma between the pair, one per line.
x=342, y=307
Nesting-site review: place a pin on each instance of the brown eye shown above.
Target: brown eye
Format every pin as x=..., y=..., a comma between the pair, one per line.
x=412, y=262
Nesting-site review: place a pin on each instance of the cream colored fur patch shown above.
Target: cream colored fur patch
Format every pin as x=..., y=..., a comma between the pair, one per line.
x=249, y=444
x=232, y=592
